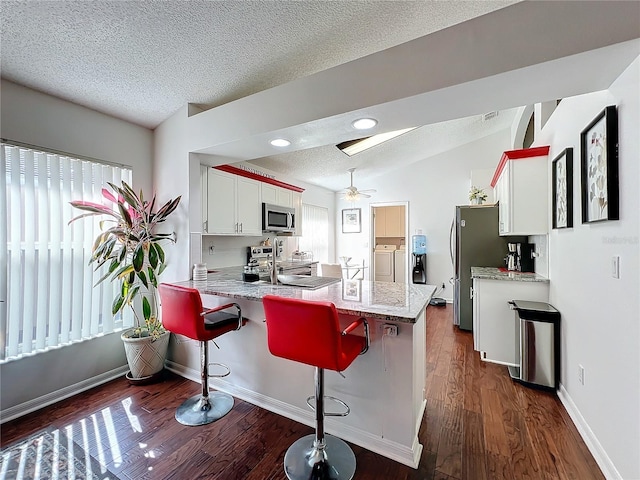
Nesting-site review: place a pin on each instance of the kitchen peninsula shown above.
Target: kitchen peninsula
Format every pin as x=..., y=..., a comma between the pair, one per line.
x=384, y=387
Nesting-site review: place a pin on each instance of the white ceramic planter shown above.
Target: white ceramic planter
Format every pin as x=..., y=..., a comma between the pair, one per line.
x=144, y=355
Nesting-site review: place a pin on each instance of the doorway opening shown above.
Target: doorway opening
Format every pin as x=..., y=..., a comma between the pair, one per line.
x=389, y=258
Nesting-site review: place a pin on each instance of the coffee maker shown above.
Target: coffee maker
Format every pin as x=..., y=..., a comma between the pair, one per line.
x=525, y=257
x=512, y=257
x=521, y=257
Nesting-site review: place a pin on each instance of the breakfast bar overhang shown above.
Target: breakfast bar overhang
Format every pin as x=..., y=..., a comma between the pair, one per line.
x=384, y=388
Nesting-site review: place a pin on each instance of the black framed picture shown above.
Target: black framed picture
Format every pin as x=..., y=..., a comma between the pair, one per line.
x=562, y=189
x=599, y=168
x=351, y=220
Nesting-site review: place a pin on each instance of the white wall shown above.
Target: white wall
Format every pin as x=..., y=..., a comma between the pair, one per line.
x=42, y=120
x=600, y=319
x=433, y=187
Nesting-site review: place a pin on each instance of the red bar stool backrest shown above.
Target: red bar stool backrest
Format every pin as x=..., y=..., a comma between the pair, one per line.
x=309, y=332
x=181, y=312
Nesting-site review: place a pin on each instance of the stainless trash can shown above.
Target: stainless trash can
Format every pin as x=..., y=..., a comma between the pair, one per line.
x=537, y=344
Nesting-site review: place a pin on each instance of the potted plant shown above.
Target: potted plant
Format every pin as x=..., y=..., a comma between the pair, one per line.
x=477, y=195
x=129, y=248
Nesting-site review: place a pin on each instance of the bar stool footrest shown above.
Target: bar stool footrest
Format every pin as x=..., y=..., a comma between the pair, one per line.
x=330, y=414
x=219, y=375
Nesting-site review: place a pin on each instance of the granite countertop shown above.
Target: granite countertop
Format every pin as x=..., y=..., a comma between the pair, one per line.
x=493, y=273
x=382, y=300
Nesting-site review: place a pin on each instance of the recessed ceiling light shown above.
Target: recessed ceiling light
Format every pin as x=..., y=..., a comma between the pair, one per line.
x=280, y=142
x=364, y=123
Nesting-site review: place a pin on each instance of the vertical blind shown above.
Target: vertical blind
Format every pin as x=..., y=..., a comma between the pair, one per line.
x=47, y=289
x=315, y=232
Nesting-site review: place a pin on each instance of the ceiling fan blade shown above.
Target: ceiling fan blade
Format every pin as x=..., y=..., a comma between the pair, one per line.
x=370, y=190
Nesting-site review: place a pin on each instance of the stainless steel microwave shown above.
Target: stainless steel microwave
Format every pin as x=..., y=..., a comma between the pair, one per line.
x=276, y=218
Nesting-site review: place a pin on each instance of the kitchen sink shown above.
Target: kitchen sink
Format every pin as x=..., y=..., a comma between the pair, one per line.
x=306, y=281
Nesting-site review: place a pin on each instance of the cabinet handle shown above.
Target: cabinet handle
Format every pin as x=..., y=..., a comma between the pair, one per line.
x=471, y=292
x=205, y=226
x=236, y=228
x=241, y=228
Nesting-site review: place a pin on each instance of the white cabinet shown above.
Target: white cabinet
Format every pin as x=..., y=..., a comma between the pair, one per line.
x=521, y=190
x=204, y=189
x=297, y=205
x=284, y=197
x=389, y=221
x=494, y=323
x=277, y=195
x=268, y=193
x=233, y=204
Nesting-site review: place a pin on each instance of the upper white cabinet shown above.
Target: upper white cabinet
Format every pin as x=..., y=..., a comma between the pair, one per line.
x=521, y=190
x=204, y=189
x=233, y=204
x=277, y=195
x=297, y=204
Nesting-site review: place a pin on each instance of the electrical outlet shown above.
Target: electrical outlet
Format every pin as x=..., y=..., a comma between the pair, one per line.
x=581, y=374
x=390, y=330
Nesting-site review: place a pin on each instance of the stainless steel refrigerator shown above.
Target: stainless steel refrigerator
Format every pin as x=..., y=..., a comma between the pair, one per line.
x=475, y=242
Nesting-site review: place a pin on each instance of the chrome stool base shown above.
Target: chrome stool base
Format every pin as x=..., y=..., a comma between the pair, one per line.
x=199, y=410
x=304, y=462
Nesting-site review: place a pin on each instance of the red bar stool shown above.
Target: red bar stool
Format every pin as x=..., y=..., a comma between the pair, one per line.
x=182, y=313
x=309, y=332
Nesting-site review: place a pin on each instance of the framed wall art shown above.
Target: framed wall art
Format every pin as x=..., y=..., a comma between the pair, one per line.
x=562, y=190
x=599, y=168
x=351, y=220
x=351, y=290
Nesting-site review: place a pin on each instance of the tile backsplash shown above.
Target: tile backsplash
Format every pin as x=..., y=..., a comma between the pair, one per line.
x=542, y=249
x=232, y=251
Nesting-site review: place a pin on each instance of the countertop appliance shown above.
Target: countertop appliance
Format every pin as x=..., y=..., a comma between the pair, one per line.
x=276, y=218
x=475, y=242
x=512, y=257
x=526, y=257
x=537, y=344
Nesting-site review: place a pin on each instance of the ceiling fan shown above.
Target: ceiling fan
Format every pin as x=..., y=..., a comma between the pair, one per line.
x=352, y=194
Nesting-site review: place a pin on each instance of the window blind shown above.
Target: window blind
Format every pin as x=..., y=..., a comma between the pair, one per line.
x=315, y=232
x=46, y=285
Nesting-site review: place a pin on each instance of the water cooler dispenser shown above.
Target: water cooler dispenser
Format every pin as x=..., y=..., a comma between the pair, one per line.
x=419, y=253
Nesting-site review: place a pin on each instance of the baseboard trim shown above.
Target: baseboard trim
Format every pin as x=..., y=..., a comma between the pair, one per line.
x=409, y=456
x=599, y=454
x=34, y=404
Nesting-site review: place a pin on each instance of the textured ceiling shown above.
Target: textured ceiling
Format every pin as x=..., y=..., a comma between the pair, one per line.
x=142, y=61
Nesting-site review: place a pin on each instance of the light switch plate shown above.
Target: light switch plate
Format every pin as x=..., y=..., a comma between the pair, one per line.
x=615, y=266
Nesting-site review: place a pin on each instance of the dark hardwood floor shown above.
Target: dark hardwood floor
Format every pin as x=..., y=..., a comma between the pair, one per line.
x=478, y=425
